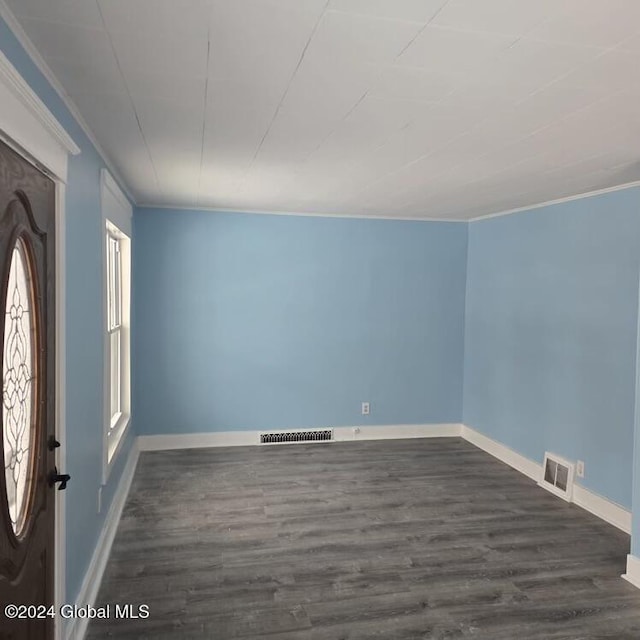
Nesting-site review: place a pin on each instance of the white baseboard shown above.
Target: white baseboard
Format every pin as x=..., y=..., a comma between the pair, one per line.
x=340, y=434
x=198, y=440
x=609, y=511
x=519, y=462
x=77, y=627
x=633, y=571
x=605, y=509
x=397, y=432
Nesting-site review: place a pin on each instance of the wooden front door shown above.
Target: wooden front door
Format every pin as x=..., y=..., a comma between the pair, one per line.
x=27, y=420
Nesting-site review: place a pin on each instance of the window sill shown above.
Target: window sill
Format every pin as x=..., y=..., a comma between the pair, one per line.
x=115, y=439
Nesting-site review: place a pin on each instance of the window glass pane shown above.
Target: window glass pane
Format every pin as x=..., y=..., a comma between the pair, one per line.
x=115, y=372
x=18, y=385
x=111, y=283
x=114, y=284
x=117, y=284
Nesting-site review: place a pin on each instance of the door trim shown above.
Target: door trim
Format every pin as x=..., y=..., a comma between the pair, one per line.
x=28, y=127
x=27, y=120
x=60, y=560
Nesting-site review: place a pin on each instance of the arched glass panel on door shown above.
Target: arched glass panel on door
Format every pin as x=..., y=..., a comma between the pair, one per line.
x=18, y=385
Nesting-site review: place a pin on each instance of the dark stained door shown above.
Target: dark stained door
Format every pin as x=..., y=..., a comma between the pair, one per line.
x=27, y=420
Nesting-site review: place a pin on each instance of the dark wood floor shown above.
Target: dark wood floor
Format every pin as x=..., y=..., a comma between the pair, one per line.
x=392, y=540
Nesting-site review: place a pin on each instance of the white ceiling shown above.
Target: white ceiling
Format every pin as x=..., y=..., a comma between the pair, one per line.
x=408, y=108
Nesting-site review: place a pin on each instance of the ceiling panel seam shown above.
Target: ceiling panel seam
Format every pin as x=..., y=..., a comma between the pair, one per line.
x=204, y=113
x=284, y=95
x=133, y=105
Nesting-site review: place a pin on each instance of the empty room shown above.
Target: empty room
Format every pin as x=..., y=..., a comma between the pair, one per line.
x=320, y=319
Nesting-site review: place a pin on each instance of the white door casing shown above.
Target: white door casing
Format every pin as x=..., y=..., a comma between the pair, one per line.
x=27, y=125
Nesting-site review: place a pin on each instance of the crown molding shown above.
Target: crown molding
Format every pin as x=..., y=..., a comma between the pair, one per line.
x=548, y=203
x=300, y=214
x=16, y=28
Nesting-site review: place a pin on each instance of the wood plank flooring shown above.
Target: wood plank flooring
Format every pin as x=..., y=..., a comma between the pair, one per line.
x=397, y=540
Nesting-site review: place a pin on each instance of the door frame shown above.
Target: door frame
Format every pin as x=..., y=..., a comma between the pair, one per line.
x=30, y=129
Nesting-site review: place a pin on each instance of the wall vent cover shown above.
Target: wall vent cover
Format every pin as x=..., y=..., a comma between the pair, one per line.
x=557, y=476
x=281, y=437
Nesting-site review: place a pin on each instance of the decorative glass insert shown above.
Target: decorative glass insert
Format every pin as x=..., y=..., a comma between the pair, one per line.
x=18, y=384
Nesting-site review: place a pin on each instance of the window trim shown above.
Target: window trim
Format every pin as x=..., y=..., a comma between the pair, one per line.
x=116, y=320
x=116, y=214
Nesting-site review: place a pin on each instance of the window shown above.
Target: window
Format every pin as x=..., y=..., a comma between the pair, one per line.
x=19, y=384
x=117, y=324
x=117, y=213
x=114, y=327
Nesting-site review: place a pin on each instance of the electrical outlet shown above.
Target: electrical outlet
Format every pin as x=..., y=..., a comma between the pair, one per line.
x=365, y=408
x=580, y=469
x=356, y=431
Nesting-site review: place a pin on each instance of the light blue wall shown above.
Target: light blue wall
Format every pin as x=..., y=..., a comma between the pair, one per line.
x=83, y=331
x=249, y=321
x=550, y=340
